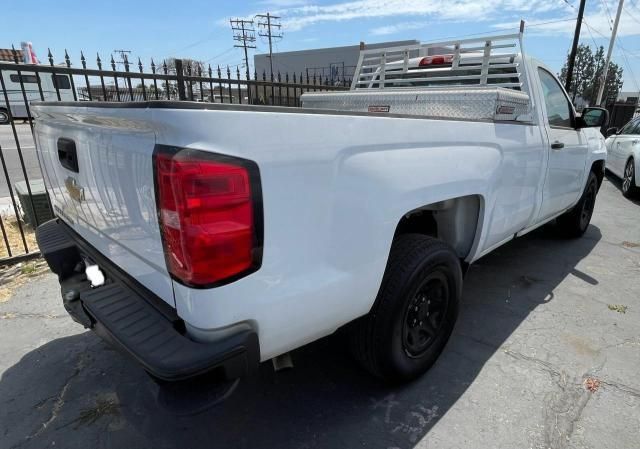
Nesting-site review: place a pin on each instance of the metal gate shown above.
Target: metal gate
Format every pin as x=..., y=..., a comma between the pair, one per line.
x=24, y=203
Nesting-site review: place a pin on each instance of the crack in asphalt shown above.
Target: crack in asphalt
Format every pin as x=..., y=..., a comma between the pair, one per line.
x=59, y=400
x=563, y=407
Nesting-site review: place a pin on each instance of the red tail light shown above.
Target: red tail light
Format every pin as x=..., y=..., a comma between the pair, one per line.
x=436, y=60
x=210, y=214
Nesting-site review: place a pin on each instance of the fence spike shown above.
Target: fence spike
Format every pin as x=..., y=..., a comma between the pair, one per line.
x=238, y=72
x=50, y=56
x=99, y=61
x=286, y=77
x=219, y=72
x=153, y=66
x=294, y=77
x=14, y=53
x=165, y=69
x=140, y=63
x=113, y=63
x=66, y=58
x=126, y=62
x=278, y=75
x=209, y=71
x=228, y=72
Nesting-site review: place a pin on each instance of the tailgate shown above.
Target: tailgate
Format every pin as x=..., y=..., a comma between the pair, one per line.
x=97, y=166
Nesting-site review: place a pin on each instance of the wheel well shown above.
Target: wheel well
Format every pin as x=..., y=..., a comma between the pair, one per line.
x=453, y=221
x=598, y=169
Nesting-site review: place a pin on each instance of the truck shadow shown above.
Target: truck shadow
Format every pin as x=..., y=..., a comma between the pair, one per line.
x=96, y=398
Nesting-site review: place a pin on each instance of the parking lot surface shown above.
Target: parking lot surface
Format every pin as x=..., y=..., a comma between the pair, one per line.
x=546, y=354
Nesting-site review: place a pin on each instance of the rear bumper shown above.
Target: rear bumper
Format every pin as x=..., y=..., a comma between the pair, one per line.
x=134, y=320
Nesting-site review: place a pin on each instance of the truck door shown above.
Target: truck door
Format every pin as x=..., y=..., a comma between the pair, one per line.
x=567, y=149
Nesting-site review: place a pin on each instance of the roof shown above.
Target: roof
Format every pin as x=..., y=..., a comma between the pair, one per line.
x=345, y=47
x=6, y=54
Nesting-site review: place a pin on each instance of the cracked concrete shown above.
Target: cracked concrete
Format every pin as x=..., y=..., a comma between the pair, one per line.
x=535, y=324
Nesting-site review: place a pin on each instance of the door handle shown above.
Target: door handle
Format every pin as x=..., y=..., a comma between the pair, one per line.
x=67, y=154
x=557, y=145
x=634, y=141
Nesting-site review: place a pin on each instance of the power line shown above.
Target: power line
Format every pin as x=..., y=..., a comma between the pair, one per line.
x=604, y=2
x=271, y=22
x=630, y=15
x=221, y=54
x=633, y=77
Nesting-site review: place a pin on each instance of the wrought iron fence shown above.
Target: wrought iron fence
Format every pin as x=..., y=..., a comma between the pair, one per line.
x=24, y=203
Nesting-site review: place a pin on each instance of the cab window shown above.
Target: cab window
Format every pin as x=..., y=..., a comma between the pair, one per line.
x=25, y=78
x=559, y=111
x=61, y=81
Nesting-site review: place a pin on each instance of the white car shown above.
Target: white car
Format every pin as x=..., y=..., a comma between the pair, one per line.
x=623, y=155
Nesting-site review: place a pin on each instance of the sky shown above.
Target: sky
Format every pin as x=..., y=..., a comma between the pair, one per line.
x=200, y=29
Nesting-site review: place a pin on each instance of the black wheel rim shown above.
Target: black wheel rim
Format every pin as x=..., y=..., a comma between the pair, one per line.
x=587, y=205
x=628, y=177
x=425, y=314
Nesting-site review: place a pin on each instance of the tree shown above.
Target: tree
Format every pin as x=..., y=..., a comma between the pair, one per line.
x=587, y=72
x=583, y=72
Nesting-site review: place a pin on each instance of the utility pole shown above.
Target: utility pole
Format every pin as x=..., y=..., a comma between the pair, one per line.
x=123, y=54
x=244, y=33
x=123, y=58
x=268, y=24
x=605, y=71
x=574, y=48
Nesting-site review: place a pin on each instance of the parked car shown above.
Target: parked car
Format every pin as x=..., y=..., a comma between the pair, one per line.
x=206, y=238
x=32, y=92
x=623, y=155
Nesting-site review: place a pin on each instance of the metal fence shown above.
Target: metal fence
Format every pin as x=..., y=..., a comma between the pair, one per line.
x=24, y=203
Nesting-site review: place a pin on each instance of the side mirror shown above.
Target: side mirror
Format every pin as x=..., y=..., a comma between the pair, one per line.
x=612, y=131
x=593, y=118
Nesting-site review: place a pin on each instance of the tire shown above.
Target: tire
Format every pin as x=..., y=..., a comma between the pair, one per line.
x=575, y=222
x=414, y=313
x=4, y=117
x=629, y=188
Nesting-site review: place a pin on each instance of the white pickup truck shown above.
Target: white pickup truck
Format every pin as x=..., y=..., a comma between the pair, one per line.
x=202, y=239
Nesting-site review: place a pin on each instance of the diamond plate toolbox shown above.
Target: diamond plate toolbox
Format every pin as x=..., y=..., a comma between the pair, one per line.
x=477, y=103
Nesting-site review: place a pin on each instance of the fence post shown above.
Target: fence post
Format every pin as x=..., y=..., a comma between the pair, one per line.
x=180, y=80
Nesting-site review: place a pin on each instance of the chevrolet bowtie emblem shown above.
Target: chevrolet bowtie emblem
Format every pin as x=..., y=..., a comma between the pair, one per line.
x=75, y=191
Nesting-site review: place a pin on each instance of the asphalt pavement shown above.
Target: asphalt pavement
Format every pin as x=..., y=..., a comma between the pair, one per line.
x=546, y=354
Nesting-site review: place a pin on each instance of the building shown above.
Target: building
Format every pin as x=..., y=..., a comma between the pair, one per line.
x=333, y=63
x=628, y=97
x=6, y=55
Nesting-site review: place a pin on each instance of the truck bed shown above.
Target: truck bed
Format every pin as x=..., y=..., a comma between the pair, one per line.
x=323, y=174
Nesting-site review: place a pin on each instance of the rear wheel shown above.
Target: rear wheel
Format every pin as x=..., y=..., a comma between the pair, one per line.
x=415, y=310
x=4, y=117
x=629, y=188
x=575, y=222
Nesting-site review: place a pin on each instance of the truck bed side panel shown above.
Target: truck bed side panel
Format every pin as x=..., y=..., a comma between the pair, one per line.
x=334, y=189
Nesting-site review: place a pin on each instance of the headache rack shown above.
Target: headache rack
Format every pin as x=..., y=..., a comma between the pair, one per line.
x=493, y=61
